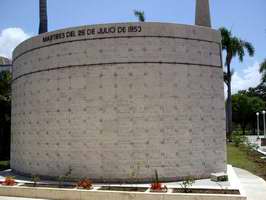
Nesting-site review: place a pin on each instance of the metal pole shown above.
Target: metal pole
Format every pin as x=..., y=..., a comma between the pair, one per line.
x=258, y=125
x=263, y=112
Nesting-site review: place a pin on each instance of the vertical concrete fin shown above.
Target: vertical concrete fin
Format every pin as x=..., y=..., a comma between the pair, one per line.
x=43, y=16
x=203, y=17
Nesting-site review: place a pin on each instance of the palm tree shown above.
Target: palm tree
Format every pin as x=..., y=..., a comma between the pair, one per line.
x=263, y=71
x=43, y=16
x=226, y=76
x=233, y=47
x=140, y=15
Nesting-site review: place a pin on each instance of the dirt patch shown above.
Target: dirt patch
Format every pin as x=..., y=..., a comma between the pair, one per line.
x=126, y=189
x=49, y=185
x=206, y=191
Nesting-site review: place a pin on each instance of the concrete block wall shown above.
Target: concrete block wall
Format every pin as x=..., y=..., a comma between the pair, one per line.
x=115, y=107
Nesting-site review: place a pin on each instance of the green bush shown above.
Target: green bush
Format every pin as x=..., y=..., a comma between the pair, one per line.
x=238, y=138
x=4, y=165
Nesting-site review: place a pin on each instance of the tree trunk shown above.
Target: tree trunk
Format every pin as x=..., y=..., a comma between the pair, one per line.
x=226, y=114
x=253, y=128
x=229, y=106
x=243, y=129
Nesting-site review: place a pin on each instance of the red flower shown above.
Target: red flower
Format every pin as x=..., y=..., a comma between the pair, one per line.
x=156, y=186
x=84, y=184
x=9, y=181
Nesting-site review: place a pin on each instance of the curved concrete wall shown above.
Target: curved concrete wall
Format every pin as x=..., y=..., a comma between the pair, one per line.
x=117, y=105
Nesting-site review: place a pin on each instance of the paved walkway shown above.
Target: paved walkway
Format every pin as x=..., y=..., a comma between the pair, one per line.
x=254, y=186
x=17, y=198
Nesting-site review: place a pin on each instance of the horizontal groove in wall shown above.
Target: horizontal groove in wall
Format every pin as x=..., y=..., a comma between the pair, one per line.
x=118, y=37
x=114, y=63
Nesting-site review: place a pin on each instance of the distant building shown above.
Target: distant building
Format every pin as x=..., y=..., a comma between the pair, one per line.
x=5, y=64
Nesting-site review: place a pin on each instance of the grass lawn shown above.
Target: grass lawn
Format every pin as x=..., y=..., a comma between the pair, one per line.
x=4, y=165
x=242, y=158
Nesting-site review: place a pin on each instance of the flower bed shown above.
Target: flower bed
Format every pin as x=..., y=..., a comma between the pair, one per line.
x=113, y=192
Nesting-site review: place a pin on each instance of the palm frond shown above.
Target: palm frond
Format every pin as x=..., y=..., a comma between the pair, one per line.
x=249, y=47
x=240, y=53
x=226, y=35
x=263, y=70
x=263, y=77
x=263, y=66
x=236, y=48
x=140, y=15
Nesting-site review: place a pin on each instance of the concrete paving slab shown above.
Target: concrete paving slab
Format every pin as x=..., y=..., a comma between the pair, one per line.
x=17, y=198
x=254, y=186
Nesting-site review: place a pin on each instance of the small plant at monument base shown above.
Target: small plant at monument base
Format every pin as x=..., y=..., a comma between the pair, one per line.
x=156, y=186
x=63, y=178
x=186, y=184
x=9, y=181
x=136, y=170
x=84, y=184
x=223, y=189
x=35, y=180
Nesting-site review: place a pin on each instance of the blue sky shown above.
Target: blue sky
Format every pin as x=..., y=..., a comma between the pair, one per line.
x=246, y=19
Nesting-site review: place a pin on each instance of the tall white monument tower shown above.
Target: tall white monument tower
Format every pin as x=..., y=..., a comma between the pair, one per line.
x=203, y=13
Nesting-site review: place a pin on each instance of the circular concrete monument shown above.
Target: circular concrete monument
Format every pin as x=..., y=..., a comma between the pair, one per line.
x=114, y=102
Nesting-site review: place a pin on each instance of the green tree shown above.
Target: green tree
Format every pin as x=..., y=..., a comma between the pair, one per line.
x=259, y=91
x=233, y=47
x=244, y=109
x=5, y=86
x=5, y=112
x=263, y=71
x=140, y=15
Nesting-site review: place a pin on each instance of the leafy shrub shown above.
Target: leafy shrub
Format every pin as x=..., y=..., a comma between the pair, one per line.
x=186, y=184
x=238, y=138
x=85, y=184
x=63, y=178
x=35, y=180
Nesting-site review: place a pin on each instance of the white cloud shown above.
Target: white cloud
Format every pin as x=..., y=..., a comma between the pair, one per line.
x=248, y=77
x=245, y=78
x=9, y=39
